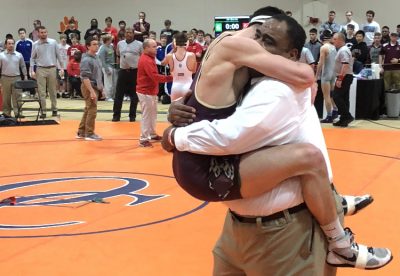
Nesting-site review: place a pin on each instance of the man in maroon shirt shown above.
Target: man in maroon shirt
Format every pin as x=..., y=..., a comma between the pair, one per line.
x=390, y=60
x=147, y=90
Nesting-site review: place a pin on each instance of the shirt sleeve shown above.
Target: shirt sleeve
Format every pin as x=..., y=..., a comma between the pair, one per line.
x=268, y=115
x=86, y=69
x=152, y=72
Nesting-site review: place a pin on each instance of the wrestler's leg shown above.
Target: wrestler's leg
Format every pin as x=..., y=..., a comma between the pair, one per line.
x=261, y=170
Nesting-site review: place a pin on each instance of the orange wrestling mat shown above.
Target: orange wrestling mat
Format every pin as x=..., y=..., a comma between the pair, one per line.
x=113, y=208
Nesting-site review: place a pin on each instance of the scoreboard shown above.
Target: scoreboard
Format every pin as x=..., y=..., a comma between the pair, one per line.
x=230, y=23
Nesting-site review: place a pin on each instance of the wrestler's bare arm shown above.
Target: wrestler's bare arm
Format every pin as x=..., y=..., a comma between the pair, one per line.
x=322, y=53
x=252, y=54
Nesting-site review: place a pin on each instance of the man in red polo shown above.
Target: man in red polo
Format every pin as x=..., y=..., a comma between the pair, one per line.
x=148, y=79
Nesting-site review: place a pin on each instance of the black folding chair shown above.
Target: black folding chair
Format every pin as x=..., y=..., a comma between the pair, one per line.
x=28, y=85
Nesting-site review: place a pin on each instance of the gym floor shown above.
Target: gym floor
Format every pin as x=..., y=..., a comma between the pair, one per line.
x=114, y=208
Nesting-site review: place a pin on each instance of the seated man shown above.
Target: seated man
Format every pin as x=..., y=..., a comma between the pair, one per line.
x=266, y=127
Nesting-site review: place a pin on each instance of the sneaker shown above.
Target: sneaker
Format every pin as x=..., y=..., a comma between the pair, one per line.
x=347, y=253
x=43, y=116
x=20, y=116
x=54, y=114
x=344, y=122
x=109, y=100
x=327, y=120
x=145, y=144
x=156, y=138
x=132, y=119
x=353, y=204
x=93, y=137
x=115, y=119
x=79, y=136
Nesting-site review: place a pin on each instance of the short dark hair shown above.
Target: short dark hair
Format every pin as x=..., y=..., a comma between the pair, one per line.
x=385, y=27
x=21, y=29
x=108, y=18
x=7, y=39
x=122, y=22
x=152, y=32
x=180, y=39
x=201, y=32
x=167, y=22
x=350, y=26
x=371, y=12
x=361, y=32
x=89, y=40
x=41, y=27
x=313, y=31
x=398, y=26
x=163, y=36
x=332, y=12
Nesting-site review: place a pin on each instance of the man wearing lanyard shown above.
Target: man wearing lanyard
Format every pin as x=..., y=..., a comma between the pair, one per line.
x=128, y=53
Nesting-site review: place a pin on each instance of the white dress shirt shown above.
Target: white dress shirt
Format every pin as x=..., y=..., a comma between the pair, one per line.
x=270, y=114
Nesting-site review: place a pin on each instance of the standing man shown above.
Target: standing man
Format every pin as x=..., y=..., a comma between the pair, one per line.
x=24, y=46
x=390, y=60
x=93, y=30
x=330, y=24
x=349, y=20
x=147, y=90
x=92, y=88
x=182, y=65
x=72, y=30
x=314, y=44
x=344, y=74
x=385, y=35
x=370, y=27
x=359, y=52
x=167, y=30
x=325, y=71
x=142, y=26
x=34, y=35
x=11, y=65
x=46, y=57
x=128, y=53
x=375, y=49
x=111, y=30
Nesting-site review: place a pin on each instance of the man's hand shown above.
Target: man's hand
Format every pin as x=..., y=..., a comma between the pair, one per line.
x=33, y=75
x=180, y=114
x=165, y=143
x=338, y=83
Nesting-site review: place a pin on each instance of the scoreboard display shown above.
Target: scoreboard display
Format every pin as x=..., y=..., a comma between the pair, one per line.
x=230, y=23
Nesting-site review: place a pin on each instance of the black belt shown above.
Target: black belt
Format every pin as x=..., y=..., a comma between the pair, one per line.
x=274, y=216
x=129, y=69
x=46, y=67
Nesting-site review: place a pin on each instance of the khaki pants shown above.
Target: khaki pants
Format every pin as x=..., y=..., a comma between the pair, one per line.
x=87, y=124
x=293, y=245
x=10, y=95
x=47, y=80
x=148, y=104
x=391, y=79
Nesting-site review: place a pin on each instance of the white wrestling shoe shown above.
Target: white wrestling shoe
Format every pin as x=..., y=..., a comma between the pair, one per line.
x=353, y=204
x=347, y=253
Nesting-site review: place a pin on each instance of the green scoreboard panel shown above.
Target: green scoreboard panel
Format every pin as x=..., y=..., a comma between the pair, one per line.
x=230, y=23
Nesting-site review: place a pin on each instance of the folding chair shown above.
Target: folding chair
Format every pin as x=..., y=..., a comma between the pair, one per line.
x=25, y=85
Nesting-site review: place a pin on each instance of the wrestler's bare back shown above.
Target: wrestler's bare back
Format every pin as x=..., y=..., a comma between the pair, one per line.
x=224, y=70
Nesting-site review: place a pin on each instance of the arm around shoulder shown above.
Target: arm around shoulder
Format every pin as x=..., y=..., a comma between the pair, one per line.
x=248, y=52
